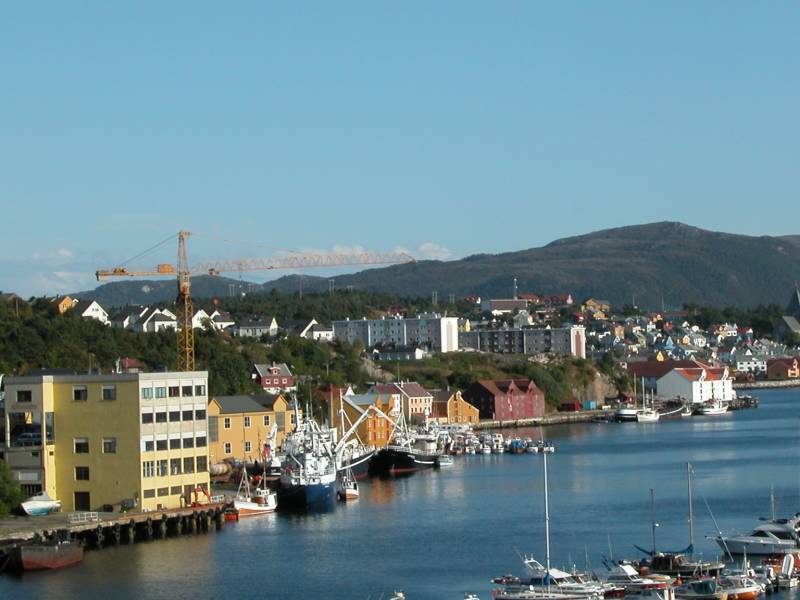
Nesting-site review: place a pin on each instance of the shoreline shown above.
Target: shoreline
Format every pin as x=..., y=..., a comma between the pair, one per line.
x=584, y=416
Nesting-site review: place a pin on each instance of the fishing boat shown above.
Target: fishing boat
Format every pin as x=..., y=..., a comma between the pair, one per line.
x=706, y=588
x=409, y=451
x=260, y=501
x=647, y=414
x=712, y=408
x=56, y=553
x=443, y=461
x=626, y=414
x=308, y=473
x=347, y=487
x=625, y=575
x=355, y=458
x=741, y=587
x=40, y=504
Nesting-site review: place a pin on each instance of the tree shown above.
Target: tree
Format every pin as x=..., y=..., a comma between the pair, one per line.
x=10, y=492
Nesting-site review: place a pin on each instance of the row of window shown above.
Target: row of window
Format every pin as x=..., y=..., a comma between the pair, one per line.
x=174, y=466
x=173, y=391
x=174, y=416
x=80, y=445
x=226, y=421
x=228, y=448
x=80, y=393
x=173, y=491
x=175, y=444
x=275, y=381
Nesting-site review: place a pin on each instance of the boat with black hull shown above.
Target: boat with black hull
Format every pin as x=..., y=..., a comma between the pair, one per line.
x=356, y=460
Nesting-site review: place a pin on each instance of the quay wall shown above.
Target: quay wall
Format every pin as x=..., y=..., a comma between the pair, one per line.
x=583, y=416
x=765, y=385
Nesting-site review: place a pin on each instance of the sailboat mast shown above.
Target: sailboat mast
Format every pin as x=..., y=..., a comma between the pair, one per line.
x=546, y=520
x=653, y=517
x=691, y=516
x=772, y=500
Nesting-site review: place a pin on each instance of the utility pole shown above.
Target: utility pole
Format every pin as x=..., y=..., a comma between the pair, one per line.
x=435, y=298
x=330, y=286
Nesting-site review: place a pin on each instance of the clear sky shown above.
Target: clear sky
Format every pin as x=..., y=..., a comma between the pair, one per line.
x=446, y=128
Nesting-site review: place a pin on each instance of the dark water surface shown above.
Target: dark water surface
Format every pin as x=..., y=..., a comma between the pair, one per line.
x=437, y=534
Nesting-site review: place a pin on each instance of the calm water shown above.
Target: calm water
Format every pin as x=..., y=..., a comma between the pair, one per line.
x=438, y=534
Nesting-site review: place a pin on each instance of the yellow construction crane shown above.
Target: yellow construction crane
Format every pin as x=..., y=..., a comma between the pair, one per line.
x=184, y=273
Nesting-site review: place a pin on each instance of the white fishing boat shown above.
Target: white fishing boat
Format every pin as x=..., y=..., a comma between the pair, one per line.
x=626, y=414
x=347, y=487
x=40, y=504
x=647, y=414
x=260, y=501
x=712, y=408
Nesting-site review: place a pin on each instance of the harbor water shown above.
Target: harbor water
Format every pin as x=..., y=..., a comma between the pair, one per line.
x=438, y=534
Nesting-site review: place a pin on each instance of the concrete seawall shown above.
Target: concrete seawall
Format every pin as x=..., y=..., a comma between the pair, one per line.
x=766, y=385
x=583, y=416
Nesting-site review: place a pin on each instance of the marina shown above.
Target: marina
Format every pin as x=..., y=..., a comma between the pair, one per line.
x=475, y=516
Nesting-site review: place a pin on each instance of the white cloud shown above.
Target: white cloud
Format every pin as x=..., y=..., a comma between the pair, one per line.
x=432, y=250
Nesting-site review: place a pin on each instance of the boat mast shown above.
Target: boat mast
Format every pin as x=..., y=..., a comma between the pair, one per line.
x=546, y=521
x=691, y=517
x=653, y=517
x=772, y=500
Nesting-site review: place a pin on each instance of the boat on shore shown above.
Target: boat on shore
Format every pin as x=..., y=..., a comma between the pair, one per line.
x=40, y=504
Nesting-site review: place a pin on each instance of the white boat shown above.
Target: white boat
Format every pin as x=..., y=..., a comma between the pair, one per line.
x=347, y=487
x=444, y=461
x=626, y=414
x=712, y=407
x=40, y=504
x=778, y=536
x=701, y=589
x=260, y=502
x=647, y=415
x=624, y=575
x=486, y=449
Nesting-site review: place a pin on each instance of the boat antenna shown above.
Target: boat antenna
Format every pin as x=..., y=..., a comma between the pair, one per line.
x=719, y=531
x=691, y=516
x=610, y=549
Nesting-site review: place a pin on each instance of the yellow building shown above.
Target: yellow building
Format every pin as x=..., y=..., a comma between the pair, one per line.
x=449, y=407
x=93, y=441
x=374, y=430
x=239, y=426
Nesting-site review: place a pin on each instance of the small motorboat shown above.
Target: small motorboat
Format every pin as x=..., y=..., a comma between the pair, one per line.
x=261, y=501
x=712, y=408
x=347, y=487
x=706, y=588
x=40, y=504
x=444, y=461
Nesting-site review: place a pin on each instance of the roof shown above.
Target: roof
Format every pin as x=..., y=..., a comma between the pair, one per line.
x=363, y=399
x=655, y=368
x=499, y=387
x=263, y=370
x=791, y=323
x=239, y=404
x=697, y=374
x=410, y=389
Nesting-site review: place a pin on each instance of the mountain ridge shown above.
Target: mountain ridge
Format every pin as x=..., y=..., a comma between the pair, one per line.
x=653, y=264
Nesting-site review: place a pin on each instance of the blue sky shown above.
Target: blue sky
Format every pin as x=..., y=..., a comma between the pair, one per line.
x=445, y=128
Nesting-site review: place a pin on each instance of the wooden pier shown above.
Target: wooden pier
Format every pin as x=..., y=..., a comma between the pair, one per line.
x=96, y=530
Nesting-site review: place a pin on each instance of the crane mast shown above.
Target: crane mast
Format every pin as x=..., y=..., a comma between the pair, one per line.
x=185, y=310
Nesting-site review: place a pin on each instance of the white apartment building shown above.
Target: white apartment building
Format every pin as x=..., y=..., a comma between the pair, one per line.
x=438, y=333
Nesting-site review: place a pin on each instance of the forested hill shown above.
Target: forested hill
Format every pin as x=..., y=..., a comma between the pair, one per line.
x=669, y=263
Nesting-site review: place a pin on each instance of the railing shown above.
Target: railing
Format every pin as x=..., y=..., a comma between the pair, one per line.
x=83, y=517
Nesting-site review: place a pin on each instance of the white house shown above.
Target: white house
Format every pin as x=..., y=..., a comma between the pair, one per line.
x=697, y=385
x=156, y=319
x=90, y=309
x=744, y=360
x=257, y=328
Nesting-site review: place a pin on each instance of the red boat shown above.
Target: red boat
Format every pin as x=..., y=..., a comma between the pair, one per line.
x=36, y=556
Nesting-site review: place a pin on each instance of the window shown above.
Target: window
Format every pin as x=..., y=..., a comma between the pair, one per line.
x=149, y=493
x=200, y=442
x=283, y=381
x=175, y=444
x=81, y=445
x=187, y=415
x=81, y=473
x=110, y=445
x=24, y=396
x=161, y=445
x=80, y=393
x=188, y=464
x=247, y=447
x=266, y=420
x=109, y=392
x=174, y=415
x=247, y=421
x=163, y=492
x=226, y=423
x=199, y=390
x=174, y=490
x=294, y=419
x=147, y=418
x=147, y=393
x=200, y=415
x=161, y=417
x=163, y=468
x=174, y=391
x=202, y=464
x=188, y=442
x=161, y=392
x=186, y=391
x=227, y=447
x=175, y=466
x=82, y=501
x=148, y=446
x=148, y=468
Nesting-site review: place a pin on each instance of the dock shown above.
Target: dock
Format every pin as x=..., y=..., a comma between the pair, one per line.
x=96, y=530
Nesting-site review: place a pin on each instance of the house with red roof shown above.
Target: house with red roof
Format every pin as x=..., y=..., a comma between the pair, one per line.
x=783, y=368
x=415, y=398
x=506, y=399
x=697, y=385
